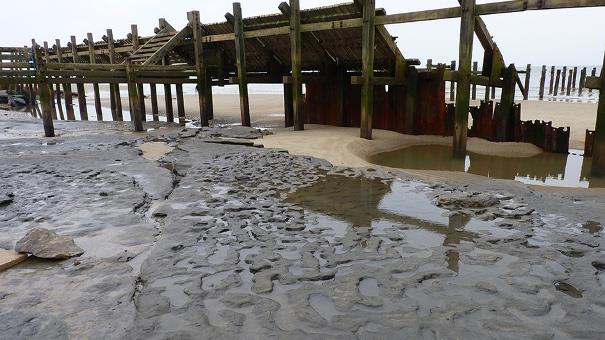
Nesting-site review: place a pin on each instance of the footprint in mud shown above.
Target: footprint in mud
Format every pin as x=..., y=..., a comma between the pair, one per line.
x=568, y=289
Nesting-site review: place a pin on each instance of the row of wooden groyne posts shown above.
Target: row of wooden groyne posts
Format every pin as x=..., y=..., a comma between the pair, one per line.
x=558, y=76
x=320, y=47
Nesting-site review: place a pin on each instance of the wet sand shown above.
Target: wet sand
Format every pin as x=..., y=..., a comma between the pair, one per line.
x=217, y=241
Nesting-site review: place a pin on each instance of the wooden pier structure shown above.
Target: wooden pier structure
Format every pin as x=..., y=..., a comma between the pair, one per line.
x=342, y=54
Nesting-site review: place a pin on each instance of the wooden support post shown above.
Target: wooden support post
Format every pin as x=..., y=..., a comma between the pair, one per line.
x=493, y=92
x=411, y=92
x=296, y=57
x=208, y=102
x=135, y=37
x=556, y=89
x=52, y=96
x=341, y=84
x=44, y=93
x=141, y=93
x=575, y=76
x=598, y=153
x=112, y=87
x=429, y=64
x=542, y=82
x=367, y=55
x=180, y=104
x=97, y=93
x=69, y=109
x=467, y=28
x=552, y=80
x=569, y=83
x=527, y=80
x=593, y=73
x=504, y=110
x=168, y=103
x=79, y=86
x=133, y=97
x=220, y=67
x=200, y=67
x=474, y=88
x=582, y=82
x=452, y=83
x=240, y=56
x=564, y=77
x=288, y=106
x=154, y=102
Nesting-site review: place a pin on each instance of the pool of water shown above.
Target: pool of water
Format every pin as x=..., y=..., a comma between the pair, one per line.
x=572, y=170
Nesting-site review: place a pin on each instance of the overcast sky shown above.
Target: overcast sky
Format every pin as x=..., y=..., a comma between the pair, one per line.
x=539, y=37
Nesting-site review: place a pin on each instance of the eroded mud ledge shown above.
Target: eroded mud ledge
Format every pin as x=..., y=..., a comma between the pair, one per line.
x=227, y=240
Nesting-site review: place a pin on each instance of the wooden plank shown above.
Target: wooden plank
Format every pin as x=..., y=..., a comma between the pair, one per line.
x=141, y=94
x=467, y=28
x=10, y=258
x=367, y=55
x=556, y=88
x=200, y=67
x=133, y=97
x=505, y=109
x=240, y=56
x=598, y=153
x=575, y=77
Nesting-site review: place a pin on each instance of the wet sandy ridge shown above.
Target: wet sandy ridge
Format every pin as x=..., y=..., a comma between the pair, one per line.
x=228, y=241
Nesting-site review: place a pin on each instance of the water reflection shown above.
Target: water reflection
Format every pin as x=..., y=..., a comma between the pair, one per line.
x=571, y=170
x=365, y=205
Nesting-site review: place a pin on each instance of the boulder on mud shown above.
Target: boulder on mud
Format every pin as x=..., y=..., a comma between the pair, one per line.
x=467, y=200
x=46, y=244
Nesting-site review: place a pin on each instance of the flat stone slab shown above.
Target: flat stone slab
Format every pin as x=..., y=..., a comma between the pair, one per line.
x=46, y=244
x=10, y=258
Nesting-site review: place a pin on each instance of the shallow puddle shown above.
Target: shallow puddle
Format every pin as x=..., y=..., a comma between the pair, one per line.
x=364, y=209
x=155, y=150
x=551, y=169
x=568, y=289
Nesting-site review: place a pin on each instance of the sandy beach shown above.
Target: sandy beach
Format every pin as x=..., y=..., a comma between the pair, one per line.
x=266, y=110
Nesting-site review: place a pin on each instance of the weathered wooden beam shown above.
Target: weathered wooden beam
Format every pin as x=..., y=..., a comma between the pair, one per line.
x=296, y=57
x=180, y=104
x=154, y=102
x=141, y=95
x=598, y=153
x=135, y=37
x=552, y=80
x=526, y=84
x=452, y=84
x=240, y=54
x=288, y=106
x=504, y=110
x=52, y=97
x=467, y=28
x=556, y=88
x=168, y=46
x=367, y=55
x=79, y=87
x=542, y=82
x=411, y=92
x=582, y=83
x=341, y=84
x=564, y=77
x=114, y=89
x=95, y=86
x=44, y=93
x=133, y=96
x=69, y=109
x=200, y=66
x=474, y=87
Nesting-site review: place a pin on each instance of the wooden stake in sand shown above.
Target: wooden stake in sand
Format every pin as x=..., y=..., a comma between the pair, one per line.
x=598, y=152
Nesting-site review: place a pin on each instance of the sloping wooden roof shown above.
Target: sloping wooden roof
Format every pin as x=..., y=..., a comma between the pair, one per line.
x=319, y=49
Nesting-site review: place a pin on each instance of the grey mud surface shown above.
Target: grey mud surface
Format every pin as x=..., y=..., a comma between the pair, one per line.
x=230, y=241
